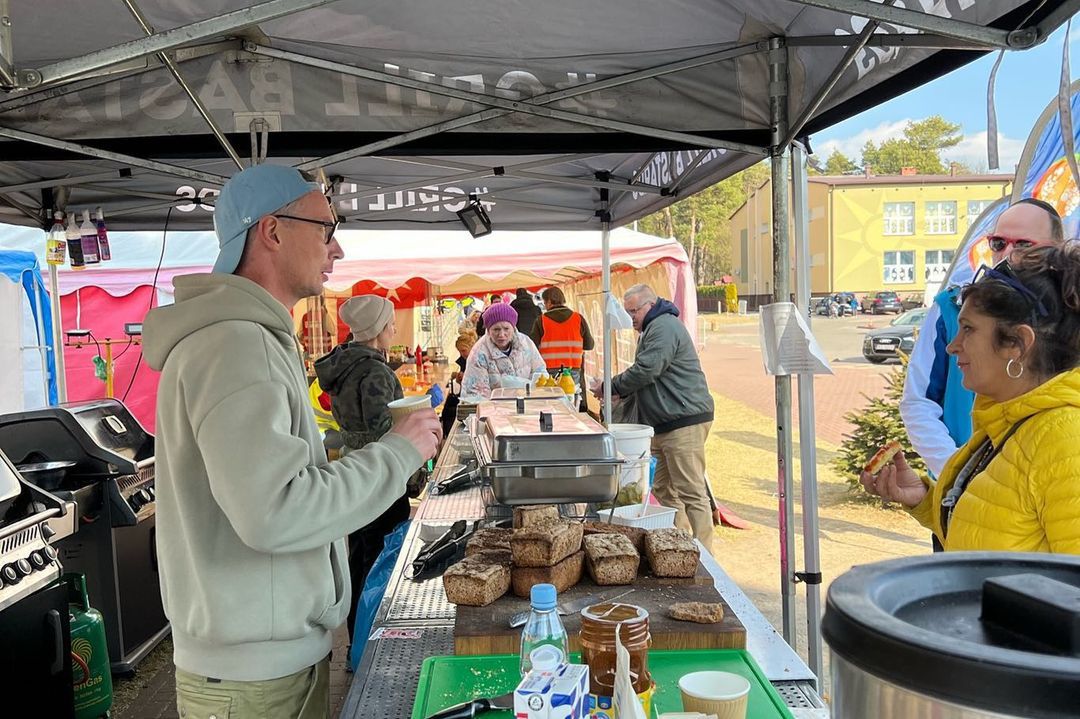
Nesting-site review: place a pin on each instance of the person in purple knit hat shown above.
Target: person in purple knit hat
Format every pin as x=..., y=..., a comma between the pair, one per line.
x=502, y=353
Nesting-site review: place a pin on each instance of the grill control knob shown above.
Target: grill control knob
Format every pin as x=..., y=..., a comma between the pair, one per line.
x=9, y=574
x=144, y=496
x=151, y=492
x=23, y=567
x=50, y=554
x=37, y=559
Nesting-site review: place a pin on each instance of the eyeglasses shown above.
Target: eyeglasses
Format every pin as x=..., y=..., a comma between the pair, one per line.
x=998, y=243
x=638, y=308
x=1003, y=273
x=330, y=227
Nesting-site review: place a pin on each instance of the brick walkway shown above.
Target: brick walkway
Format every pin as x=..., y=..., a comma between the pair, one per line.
x=736, y=372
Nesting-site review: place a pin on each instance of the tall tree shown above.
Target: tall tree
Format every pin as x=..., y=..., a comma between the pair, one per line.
x=838, y=163
x=920, y=147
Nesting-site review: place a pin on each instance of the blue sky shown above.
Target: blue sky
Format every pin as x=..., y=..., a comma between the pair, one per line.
x=1026, y=82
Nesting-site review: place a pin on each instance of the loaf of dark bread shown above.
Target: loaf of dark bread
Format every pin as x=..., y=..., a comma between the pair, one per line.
x=636, y=535
x=545, y=545
x=672, y=552
x=531, y=515
x=563, y=575
x=476, y=581
x=488, y=539
x=611, y=559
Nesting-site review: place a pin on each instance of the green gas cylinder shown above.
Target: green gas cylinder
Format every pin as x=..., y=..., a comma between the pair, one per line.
x=90, y=667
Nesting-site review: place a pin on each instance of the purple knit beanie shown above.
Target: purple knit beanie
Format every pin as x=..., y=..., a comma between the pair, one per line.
x=500, y=312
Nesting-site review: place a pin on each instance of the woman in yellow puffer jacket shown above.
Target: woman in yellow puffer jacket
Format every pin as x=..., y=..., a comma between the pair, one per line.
x=1015, y=485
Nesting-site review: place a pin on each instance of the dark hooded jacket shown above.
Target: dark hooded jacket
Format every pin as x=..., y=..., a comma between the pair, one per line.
x=360, y=383
x=527, y=311
x=665, y=382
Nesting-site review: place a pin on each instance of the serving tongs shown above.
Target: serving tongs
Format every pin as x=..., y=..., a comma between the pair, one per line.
x=466, y=476
x=436, y=556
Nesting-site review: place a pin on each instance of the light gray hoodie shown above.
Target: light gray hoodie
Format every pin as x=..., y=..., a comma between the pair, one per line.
x=250, y=514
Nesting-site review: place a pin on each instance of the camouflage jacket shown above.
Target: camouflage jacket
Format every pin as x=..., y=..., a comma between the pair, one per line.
x=360, y=383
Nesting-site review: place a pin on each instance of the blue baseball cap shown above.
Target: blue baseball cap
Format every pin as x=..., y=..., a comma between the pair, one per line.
x=245, y=199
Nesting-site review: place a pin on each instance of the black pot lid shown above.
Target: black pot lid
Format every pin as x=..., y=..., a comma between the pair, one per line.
x=991, y=630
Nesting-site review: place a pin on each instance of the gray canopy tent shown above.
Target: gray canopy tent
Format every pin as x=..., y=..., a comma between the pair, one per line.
x=560, y=114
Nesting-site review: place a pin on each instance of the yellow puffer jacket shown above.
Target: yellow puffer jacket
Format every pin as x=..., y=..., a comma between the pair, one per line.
x=1028, y=497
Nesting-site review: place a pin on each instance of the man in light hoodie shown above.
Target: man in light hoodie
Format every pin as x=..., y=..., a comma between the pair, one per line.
x=251, y=517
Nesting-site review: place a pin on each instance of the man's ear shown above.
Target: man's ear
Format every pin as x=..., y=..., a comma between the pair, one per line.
x=266, y=233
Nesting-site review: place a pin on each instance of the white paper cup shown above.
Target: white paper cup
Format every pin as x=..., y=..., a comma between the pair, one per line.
x=721, y=693
x=399, y=408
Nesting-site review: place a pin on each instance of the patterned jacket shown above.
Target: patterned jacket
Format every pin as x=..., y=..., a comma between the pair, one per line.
x=487, y=364
x=1028, y=497
x=360, y=383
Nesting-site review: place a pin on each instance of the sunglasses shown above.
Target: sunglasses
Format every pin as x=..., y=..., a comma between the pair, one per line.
x=1003, y=273
x=998, y=243
x=329, y=227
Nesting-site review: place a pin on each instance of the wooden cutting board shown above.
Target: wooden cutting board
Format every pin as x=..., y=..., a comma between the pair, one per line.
x=486, y=630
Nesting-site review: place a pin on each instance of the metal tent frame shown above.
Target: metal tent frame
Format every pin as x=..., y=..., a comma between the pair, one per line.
x=604, y=187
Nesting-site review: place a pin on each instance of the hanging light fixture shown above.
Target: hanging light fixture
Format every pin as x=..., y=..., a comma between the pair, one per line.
x=475, y=218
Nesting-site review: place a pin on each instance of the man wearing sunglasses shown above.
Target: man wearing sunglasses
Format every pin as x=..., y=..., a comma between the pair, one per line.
x=936, y=408
x=251, y=517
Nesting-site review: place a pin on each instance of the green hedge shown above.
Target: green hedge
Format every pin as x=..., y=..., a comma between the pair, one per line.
x=716, y=291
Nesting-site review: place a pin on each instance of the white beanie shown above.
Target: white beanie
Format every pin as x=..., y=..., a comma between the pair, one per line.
x=367, y=316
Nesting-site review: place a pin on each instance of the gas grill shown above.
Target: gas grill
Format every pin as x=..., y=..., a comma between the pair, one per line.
x=35, y=641
x=109, y=474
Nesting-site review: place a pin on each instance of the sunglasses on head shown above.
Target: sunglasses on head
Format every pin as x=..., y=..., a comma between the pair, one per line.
x=998, y=243
x=1003, y=272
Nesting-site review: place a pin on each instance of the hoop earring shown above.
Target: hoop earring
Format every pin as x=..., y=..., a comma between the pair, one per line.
x=1008, y=369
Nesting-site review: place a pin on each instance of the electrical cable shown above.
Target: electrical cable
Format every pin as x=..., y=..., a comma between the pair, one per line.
x=153, y=294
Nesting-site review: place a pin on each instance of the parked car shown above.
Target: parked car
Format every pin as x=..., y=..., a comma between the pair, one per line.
x=911, y=302
x=887, y=342
x=845, y=304
x=876, y=303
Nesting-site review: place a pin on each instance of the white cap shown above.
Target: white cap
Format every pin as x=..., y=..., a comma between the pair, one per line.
x=546, y=658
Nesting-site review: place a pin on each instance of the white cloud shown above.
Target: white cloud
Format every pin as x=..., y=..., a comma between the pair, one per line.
x=852, y=146
x=972, y=152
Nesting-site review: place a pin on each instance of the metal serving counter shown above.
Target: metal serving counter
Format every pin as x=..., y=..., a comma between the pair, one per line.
x=414, y=620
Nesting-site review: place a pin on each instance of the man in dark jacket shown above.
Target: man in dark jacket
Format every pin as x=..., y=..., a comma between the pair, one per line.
x=528, y=312
x=671, y=395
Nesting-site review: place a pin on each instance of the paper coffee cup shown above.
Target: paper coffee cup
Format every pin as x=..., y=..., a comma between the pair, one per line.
x=407, y=405
x=721, y=693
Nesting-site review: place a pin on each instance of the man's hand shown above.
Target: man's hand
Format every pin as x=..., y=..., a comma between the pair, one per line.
x=597, y=388
x=423, y=430
x=896, y=482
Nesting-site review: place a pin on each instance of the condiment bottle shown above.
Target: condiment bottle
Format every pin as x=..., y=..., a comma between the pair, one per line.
x=88, y=236
x=543, y=626
x=566, y=382
x=56, y=245
x=74, y=245
x=103, y=236
x=598, y=625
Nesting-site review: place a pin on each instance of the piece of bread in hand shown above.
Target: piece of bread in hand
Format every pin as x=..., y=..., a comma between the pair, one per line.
x=883, y=457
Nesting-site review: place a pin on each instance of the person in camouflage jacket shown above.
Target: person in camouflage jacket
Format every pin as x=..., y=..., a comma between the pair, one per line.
x=360, y=383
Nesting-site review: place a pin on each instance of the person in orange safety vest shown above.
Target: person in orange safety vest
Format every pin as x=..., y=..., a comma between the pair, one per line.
x=561, y=334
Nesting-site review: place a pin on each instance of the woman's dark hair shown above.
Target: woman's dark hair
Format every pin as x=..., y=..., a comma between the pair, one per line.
x=1051, y=274
x=554, y=295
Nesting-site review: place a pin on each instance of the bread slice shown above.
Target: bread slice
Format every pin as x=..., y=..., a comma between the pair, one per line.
x=671, y=552
x=636, y=535
x=700, y=612
x=545, y=545
x=611, y=558
x=563, y=575
x=531, y=515
x=882, y=457
x=475, y=582
x=487, y=539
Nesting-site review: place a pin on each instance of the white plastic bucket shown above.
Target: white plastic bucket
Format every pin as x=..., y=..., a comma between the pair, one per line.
x=634, y=443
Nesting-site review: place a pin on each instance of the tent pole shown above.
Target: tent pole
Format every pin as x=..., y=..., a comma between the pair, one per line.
x=58, y=335
x=42, y=342
x=811, y=574
x=605, y=250
x=778, y=98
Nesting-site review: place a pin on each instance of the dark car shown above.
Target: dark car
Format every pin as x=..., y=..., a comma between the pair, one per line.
x=878, y=302
x=899, y=336
x=911, y=302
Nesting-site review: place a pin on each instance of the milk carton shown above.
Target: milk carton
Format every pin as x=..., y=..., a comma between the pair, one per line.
x=559, y=693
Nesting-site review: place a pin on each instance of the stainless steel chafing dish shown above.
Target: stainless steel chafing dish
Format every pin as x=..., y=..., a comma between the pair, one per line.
x=511, y=393
x=539, y=451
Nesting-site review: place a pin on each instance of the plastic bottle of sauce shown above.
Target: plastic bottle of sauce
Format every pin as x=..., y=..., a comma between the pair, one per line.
x=566, y=382
x=74, y=245
x=56, y=246
x=103, y=236
x=598, y=624
x=88, y=235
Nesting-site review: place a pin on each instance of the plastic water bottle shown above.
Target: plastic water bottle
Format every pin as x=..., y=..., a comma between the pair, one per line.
x=543, y=628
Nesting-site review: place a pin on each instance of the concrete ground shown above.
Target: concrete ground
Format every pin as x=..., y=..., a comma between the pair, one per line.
x=741, y=458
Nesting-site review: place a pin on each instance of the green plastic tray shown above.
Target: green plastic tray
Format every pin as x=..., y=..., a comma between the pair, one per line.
x=445, y=681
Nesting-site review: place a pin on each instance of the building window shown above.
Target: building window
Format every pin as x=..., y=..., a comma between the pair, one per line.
x=899, y=267
x=941, y=218
x=975, y=208
x=937, y=265
x=899, y=218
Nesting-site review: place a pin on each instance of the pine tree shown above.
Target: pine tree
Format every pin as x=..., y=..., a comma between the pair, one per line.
x=876, y=424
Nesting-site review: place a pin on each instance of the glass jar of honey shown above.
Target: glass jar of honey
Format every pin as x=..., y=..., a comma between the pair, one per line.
x=598, y=626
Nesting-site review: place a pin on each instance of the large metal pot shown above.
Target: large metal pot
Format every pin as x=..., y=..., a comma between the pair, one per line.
x=962, y=635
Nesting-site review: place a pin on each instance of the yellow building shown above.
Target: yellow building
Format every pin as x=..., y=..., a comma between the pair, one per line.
x=895, y=232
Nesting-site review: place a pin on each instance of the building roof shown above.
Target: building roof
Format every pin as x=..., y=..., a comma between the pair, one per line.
x=910, y=179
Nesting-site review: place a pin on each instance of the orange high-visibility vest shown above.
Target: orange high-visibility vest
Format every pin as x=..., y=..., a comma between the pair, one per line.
x=562, y=345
